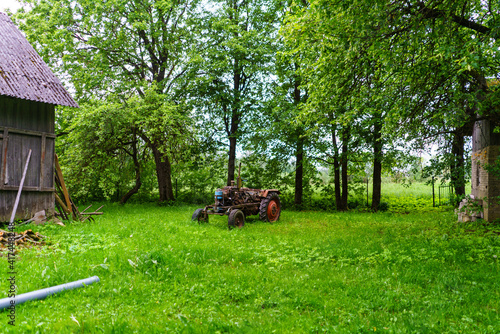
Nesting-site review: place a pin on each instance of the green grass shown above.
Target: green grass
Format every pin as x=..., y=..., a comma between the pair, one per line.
x=415, y=196
x=310, y=272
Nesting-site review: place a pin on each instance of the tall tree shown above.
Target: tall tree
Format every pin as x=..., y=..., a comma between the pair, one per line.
x=289, y=96
x=237, y=63
x=122, y=47
x=335, y=80
x=426, y=53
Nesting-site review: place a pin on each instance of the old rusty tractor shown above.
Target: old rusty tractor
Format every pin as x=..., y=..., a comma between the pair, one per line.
x=238, y=202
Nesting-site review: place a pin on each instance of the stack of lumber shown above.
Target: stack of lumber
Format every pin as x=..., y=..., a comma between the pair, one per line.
x=24, y=238
x=66, y=207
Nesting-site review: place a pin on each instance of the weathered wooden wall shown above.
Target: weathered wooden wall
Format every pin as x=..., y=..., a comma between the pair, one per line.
x=26, y=125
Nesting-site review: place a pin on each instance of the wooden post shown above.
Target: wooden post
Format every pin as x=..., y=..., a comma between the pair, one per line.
x=63, y=185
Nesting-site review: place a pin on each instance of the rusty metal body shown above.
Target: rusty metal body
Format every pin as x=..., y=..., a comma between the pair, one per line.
x=244, y=199
x=239, y=202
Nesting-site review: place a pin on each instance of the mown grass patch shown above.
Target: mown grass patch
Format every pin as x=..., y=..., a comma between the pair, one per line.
x=309, y=272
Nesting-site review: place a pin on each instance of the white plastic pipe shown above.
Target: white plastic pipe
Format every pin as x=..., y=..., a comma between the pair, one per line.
x=43, y=293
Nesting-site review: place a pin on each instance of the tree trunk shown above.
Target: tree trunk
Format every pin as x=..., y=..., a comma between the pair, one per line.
x=137, y=167
x=344, y=171
x=377, y=164
x=235, y=121
x=164, y=176
x=458, y=164
x=163, y=170
x=299, y=152
x=135, y=189
x=338, y=190
x=232, y=160
x=299, y=171
x=336, y=168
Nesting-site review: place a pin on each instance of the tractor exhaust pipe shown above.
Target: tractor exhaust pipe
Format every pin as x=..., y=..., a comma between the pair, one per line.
x=239, y=183
x=43, y=293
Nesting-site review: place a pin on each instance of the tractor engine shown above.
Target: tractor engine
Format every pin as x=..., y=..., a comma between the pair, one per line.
x=219, y=200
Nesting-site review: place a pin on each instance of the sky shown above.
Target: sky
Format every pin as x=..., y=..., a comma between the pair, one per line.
x=13, y=5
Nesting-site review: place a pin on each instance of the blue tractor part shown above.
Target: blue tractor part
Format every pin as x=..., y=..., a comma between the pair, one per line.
x=219, y=200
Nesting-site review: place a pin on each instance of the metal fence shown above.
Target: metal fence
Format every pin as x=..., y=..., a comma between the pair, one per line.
x=446, y=194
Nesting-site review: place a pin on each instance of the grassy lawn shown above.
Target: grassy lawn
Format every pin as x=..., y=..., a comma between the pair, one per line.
x=310, y=272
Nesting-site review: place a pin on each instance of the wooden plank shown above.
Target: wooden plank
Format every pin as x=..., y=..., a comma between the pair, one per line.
x=2, y=158
x=28, y=132
x=42, y=162
x=28, y=188
x=61, y=203
x=63, y=185
x=9, y=113
x=48, y=169
x=61, y=211
x=19, y=143
x=88, y=207
x=51, y=119
x=3, y=178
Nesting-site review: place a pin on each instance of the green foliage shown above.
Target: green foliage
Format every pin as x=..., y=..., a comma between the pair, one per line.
x=111, y=151
x=119, y=47
x=133, y=58
x=197, y=180
x=350, y=81
x=418, y=67
x=235, y=62
x=309, y=272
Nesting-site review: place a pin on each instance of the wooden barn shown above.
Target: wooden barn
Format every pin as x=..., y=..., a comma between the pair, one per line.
x=29, y=92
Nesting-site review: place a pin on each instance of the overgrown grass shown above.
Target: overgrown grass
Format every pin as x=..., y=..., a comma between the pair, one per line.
x=310, y=272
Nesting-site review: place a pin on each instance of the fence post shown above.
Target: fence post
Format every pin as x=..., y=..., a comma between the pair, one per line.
x=433, y=196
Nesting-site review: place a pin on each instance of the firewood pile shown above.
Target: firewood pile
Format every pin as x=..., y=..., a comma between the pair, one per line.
x=25, y=238
x=66, y=207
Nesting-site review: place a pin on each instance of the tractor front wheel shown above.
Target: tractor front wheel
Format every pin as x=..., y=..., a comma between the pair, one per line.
x=236, y=219
x=200, y=216
x=270, y=208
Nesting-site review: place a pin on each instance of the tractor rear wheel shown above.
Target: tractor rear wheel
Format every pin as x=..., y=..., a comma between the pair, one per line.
x=236, y=219
x=270, y=208
x=199, y=215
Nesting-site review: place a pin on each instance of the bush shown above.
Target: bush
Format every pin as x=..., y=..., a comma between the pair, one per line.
x=384, y=206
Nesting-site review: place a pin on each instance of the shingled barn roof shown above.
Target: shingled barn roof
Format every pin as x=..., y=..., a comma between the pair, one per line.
x=23, y=73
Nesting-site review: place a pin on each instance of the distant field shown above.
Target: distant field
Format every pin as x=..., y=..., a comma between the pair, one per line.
x=310, y=272
x=415, y=189
x=417, y=195
x=396, y=197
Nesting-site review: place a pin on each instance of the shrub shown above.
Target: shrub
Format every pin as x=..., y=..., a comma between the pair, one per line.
x=384, y=206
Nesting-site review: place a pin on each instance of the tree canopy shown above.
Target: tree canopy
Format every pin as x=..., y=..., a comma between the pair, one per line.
x=344, y=85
